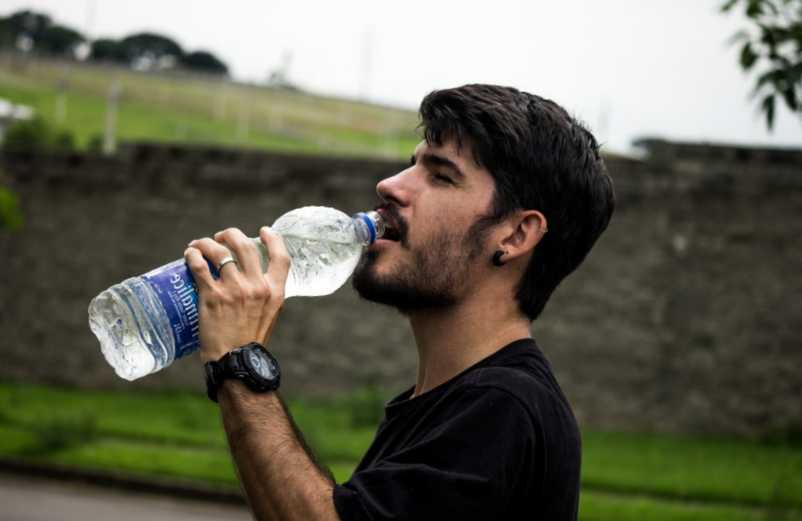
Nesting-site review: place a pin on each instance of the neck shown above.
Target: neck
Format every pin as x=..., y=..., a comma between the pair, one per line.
x=450, y=340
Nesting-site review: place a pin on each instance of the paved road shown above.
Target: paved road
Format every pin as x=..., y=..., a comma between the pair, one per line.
x=27, y=499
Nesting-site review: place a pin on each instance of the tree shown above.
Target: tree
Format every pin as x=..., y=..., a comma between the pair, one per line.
x=59, y=40
x=23, y=25
x=108, y=50
x=7, y=37
x=772, y=46
x=204, y=61
x=151, y=51
x=35, y=31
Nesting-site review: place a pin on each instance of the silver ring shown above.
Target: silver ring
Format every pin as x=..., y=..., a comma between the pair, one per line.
x=226, y=261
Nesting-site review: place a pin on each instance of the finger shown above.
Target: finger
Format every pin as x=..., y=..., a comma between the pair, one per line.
x=215, y=253
x=243, y=248
x=280, y=261
x=199, y=268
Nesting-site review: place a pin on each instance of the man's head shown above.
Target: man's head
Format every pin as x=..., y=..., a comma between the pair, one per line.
x=516, y=164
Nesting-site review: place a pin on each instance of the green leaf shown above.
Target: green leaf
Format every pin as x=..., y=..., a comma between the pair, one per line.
x=770, y=4
x=768, y=36
x=754, y=8
x=768, y=108
x=789, y=95
x=728, y=5
x=739, y=36
x=773, y=76
x=748, y=56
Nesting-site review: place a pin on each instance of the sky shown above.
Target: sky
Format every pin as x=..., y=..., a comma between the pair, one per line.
x=627, y=68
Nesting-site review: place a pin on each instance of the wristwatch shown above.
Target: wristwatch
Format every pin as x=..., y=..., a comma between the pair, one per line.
x=251, y=363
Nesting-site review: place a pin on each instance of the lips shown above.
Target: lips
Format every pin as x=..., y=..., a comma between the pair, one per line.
x=392, y=223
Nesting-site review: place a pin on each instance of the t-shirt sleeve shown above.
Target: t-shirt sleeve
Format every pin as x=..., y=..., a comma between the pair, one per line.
x=465, y=468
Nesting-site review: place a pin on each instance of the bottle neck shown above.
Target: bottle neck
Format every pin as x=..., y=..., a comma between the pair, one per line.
x=369, y=226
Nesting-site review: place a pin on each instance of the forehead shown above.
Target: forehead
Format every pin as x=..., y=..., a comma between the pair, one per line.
x=461, y=155
x=449, y=149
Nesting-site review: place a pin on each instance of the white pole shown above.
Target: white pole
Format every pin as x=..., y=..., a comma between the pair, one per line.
x=243, y=123
x=61, y=101
x=109, y=134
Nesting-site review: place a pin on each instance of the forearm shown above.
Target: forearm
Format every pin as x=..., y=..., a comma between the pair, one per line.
x=280, y=478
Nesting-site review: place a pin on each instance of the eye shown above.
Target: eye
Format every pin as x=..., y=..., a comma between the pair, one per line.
x=442, y=178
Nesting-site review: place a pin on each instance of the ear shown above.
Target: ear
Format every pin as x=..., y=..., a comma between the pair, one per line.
x=527, y=228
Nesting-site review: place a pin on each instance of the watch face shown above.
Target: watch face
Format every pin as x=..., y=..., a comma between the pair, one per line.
x=261, y=364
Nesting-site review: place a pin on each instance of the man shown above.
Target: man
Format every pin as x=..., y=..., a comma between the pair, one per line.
x=503, y=198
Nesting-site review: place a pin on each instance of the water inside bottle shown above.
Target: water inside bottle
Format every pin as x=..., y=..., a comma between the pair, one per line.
x=130, y=325
x=319, y=267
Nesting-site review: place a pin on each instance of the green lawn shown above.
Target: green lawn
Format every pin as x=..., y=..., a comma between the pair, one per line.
x=193, y=110
x=176, y=434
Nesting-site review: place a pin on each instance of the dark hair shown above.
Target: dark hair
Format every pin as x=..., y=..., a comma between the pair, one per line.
x=540, y=158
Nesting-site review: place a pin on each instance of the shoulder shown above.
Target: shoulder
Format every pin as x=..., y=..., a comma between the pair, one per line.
x=529, y=390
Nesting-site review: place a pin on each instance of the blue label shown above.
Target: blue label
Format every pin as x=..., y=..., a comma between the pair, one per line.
x=175, y=286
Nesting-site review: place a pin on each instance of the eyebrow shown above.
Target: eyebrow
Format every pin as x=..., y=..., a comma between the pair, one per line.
x=434, y=159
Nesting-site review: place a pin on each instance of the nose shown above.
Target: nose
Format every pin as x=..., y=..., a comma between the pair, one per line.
x=396, y=188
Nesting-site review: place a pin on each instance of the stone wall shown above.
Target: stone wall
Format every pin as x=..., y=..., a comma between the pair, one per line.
x=683, y=318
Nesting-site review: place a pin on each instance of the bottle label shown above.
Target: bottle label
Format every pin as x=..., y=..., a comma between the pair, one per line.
x=175, y=286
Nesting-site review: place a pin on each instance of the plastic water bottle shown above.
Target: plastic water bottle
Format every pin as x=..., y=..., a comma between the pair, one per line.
x=145, y=323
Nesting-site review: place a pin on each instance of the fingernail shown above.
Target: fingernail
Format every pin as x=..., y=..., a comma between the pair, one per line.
x=190, y=243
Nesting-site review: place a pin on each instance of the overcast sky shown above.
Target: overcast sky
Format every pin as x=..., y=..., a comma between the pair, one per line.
x=628, y=68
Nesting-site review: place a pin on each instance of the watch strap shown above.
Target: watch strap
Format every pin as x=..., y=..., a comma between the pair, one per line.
x=232, y=365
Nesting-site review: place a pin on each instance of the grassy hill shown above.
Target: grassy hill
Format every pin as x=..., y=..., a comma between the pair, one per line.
x=173, y=108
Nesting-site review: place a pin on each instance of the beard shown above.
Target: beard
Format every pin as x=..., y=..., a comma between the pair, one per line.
x=435, y=278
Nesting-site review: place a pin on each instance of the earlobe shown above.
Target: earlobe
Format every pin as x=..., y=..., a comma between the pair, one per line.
x=497, y=262
x=528, y=231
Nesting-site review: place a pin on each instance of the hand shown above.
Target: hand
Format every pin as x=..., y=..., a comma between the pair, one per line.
x=241, y=306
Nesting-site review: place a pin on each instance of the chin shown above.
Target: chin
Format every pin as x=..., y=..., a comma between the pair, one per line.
x=404, y=290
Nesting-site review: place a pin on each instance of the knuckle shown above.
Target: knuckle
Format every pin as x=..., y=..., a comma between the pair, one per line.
x=276, y=295
x=281, y=256
x=226, y=233
x=211, y=299
x=229, y=298
x=249, y=294
x=238, y=293
x=191, y=260
x=205, y=245
x=231, y=234
x=260, y=292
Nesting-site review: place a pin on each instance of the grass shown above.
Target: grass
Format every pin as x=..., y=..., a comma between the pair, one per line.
x=595, y=506
x=178, y=434
x=195, y=110
x=702, y=469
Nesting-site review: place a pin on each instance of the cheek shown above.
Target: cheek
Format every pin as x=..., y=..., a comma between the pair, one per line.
x=446, y=219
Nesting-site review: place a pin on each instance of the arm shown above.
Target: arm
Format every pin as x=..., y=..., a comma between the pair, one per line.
x=281, y=479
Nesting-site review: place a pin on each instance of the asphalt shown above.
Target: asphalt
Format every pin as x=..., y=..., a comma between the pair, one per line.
x=25, y=498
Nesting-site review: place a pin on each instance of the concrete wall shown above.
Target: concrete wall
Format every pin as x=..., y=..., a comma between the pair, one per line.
x=684, y=317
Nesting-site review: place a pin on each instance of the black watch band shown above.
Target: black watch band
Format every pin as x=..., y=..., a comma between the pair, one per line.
x=251, y=363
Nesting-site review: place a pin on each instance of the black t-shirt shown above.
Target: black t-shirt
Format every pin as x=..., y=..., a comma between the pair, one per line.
x=497, y=441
